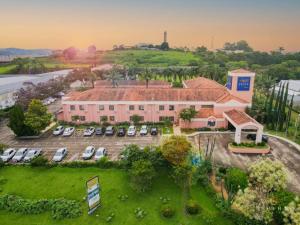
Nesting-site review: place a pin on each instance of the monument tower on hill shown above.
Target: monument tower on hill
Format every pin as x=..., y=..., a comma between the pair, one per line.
x=165, y=36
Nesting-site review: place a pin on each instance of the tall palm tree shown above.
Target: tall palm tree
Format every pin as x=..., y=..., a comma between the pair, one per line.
x=146, y=75
x=114, y=75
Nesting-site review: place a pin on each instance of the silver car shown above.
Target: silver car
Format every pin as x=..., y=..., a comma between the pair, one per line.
x=89, y=131
x=58, y=130
x=60, y=154
x=88, y=152
x=18, y=157
x=68, y=131
x=31, y=154
x=144, y=130
x=131, y=131
x=8, y=154
x=100, y=153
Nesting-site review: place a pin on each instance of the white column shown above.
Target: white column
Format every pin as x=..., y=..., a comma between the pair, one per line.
x=237, y=136
x=259, y=134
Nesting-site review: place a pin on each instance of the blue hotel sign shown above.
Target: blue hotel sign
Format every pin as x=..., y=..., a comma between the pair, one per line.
x=229, y=82
x=243, y=83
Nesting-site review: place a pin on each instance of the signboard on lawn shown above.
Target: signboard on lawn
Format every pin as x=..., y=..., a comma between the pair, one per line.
x=243, y=84
x=93, y=194
x=229, y=82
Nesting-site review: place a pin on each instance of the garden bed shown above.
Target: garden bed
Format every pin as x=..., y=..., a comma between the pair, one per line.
x=243, y=148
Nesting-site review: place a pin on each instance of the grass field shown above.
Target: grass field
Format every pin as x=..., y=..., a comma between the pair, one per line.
x=151, y=58
x=70, y=183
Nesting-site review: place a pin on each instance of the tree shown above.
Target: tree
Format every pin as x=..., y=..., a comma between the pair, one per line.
x=146, y=75
x=235, y=180
x=70, y=53
x=282, y=199
x=37, y=117
x=175, y=149
x=16, y=122
x=136, y=119
x=182, y=175
x=114, y=75
x=141, y=175
x=165, y=46
x=188, y=114
x=292, y=213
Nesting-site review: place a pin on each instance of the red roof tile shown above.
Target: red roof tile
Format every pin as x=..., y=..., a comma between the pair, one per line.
x=205, y=113
x=202, y=82
x=240, y=117
x=130, y=83
x=241, y=71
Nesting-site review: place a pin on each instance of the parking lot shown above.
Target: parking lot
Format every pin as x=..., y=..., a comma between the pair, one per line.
x=76, y=143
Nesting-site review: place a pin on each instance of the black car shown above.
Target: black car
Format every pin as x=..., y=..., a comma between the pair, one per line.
x=154, y=131
x=121, y=132
x=110, y=131
x=253, y=137
x=100, y=131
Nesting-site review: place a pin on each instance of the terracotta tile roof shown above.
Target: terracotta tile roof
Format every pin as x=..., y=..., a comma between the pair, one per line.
x=240, y=117
x=241, y=71
x=202, y=82
x=205, y=113
x=147, y=94
x=228, y=97
x=129, y=83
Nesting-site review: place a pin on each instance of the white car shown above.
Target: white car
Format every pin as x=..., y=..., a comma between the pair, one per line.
x=89, y=131
x=88, y=152
x=100, y=153
x=144, y=130
x=8, y=154
x=18, y=157
x=58, y=130
x=31, y=154
x=131, y=131
x=68, y=131
x=60, y=154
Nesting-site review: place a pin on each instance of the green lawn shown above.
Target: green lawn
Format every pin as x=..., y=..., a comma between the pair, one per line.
x=58, y=182
x=151, y=58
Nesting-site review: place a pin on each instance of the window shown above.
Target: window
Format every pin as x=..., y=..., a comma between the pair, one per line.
x=171, y=107
x=82, y=118
x=72, y=107
x=112, y=118
x=141, y=107
x=164, y=118
x=193, y=107
x=211, y=123
x=161, y=108
x=103, y=118
x=111, y=107
x=207, y=106
x=101, y=107
x=131, y=107
x=81, y=107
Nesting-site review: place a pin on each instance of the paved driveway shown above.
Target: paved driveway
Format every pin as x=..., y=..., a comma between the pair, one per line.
x=282, y=151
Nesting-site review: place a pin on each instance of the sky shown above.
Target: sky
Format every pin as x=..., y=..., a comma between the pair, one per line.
x=58, y=24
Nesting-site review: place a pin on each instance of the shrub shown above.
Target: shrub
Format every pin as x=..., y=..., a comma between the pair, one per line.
x=104, y=163
x=167, y=211
x=2, y=147
x=192, y=207
x=39, y=161
x=1, y=163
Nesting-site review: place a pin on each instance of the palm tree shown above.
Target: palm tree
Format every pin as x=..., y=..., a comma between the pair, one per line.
x=92, y=77
x=114, y=75
x=146, y=75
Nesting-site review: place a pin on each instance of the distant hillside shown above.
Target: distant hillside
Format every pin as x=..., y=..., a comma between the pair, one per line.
x=25, y=52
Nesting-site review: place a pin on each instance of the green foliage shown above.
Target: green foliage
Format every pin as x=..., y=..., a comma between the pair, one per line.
x=136, y=119
x=282, y=199
x=202, y=173
x=142, y=173
x=292, y=212
x=60, y=208
x=2, y=147
x=167, y=211
x=17, y=122
x=175, y=149
x=140, y=213
x=1, y=163
x=165, y=46
x=235, y=180
x=37, y=117
x=192, y=207
x=188, y=114
x=39, y=161
x=104, y=163
x=181, y=175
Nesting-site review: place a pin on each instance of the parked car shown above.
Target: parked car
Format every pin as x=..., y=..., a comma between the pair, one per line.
x=100, y=131
x=68, y=131
x=8, y=154
x=101, y=152
x=89, y=131
x=20, y=154
x=253, y=137
x=121, y=132
x=154, y=131
x=58, y=130
x=131, y=131
x=144, y=130
x=31, y=154
x=109, y=131
x=60, y=154
x=88, y=152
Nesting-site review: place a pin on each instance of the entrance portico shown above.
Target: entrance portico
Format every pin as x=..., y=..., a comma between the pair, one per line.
x=240, y=120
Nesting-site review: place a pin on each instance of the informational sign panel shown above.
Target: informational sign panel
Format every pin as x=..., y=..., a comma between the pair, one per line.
x=229, y=82
x=93, y=194
x=243, y=83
